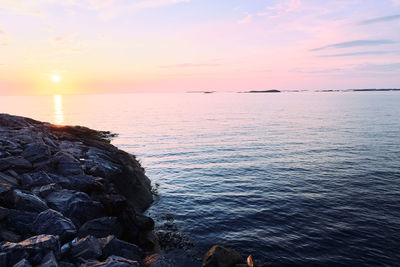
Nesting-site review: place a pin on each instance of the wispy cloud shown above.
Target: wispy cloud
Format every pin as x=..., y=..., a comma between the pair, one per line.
x=380, y=67
x=282, y=8
x=247, y=19
x=190, y=65
x=355, y=43
x=358, y=54
x=380, y=19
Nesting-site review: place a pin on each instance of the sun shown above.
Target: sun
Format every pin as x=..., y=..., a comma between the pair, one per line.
x=55, y=78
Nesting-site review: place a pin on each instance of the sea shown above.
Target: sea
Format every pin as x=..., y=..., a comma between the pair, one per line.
x=292, y=178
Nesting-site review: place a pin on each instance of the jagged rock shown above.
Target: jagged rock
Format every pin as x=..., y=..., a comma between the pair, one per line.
x=23, y=263
x=112, y=261
x=6, y=179
x=157, y=260
x=36, y=152
x=49, y=260
x=7, y=235
x=32, y=249
x=101, y=227
x=113, y=246
x=54, y=223
x=18, y=163
x=113, y=204
x=3, y=213
x=85, y=183
x=35, y=179
x=219, y=256
x=28, y=201
x=21, y=221
x=45, y=190
x=86, y=248
x=67, y=164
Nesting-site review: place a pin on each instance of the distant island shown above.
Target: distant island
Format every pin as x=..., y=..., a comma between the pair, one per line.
x=261, y=91
x=200, y=92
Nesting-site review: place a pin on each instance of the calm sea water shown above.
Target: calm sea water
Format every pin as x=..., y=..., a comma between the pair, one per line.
x=292, y=178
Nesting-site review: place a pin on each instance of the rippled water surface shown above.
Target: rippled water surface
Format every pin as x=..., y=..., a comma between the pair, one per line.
x=293, y=178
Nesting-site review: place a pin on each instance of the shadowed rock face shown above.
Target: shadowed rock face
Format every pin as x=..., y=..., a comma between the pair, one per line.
x=68, y=186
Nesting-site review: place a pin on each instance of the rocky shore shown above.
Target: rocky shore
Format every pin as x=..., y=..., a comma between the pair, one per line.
x=70, y=198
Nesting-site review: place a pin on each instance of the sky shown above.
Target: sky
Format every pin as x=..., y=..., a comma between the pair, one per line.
x=124, y=46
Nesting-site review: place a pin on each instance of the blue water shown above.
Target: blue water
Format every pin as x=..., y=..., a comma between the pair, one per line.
x=292, y=178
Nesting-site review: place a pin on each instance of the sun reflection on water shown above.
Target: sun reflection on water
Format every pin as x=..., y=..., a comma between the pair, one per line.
x=58, y=115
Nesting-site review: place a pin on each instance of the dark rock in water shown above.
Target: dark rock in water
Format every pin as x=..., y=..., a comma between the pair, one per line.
x=127, y=218
x=67, y=164
x=144, y=223
x=35, y=179
x=112, y=261
x=101, y=227
x=86, y=248
x=28, y=201
x=3, y=213
x=149, y=241
x=49, y=260
x=54, y=223
x=19, y=164
x=219, y=256
x=113, y=246
x=36, y=152
x=23, y=263
x=45, y=190
x=21, y=221
x=32, y=249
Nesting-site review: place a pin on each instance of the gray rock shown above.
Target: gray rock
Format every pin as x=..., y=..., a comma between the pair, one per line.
x=54, y=223
x=219, y=256
x=36, y=152
x=35, y=179
x=19, y=164
x=86, y=248
x=49, y=260
x=4, y=178
x=85, y=183
x=101, y=227
x=28, y=201
x=112, y=261
x=23, y=263
x=113, y=246
x=67, y=164
x=21, y=221
x=45, y=190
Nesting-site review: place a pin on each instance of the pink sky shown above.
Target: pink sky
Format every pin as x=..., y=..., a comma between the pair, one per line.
x=119, y=46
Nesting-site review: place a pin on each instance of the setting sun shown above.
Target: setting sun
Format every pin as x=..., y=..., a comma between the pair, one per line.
x=55, y=78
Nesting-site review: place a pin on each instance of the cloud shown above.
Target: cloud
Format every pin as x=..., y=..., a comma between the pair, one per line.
x=380, y=19
x=282, y=8
x=380, y=67
x=189, y=65
x=355, y=43
x=247, y=19
x=358, y=54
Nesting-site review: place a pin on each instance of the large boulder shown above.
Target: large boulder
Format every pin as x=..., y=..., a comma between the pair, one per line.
x=49, y=260
x=113, y=246
x=36, y=152
x=101, y=227
x=219, y=256
x=21, y=221
x=32, y=249
x=86, y=248
x=54, y=223
x=18, y=163
x=28, y=201
x=35, y=179
x=67, y=164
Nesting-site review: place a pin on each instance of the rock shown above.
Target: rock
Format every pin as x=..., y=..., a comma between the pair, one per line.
x=3, y=213
x=86, y=248
x=28, y=201
x=59, y=200
x=144, y=223
x=219, y=256
x=6, y=179
x=10, y=236
x=49, y=260
x=21, y=221
x=67, y=164
x=113, y=246
x=54, y=223
x=18, y=163
x=127, y=218
x=157, y=260
x=32, y=249
x=23, y=263
x=85, y=183
x=112, y=261
x=35, y=179
x=65, y=264
x=113, y=204
x=45, y=190
x=36, y=152
x=3, y=259
x=149, y=241
x=101, y=227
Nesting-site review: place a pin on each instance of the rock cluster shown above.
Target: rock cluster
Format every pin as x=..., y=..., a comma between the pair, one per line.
x=70, y=198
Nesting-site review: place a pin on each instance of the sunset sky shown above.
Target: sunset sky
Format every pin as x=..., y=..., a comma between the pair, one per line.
x=117, y=46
